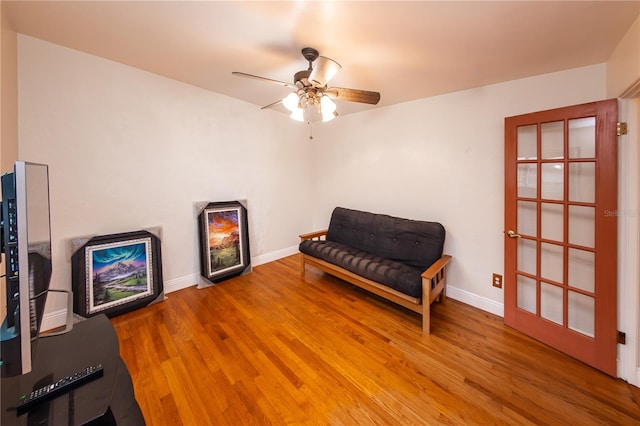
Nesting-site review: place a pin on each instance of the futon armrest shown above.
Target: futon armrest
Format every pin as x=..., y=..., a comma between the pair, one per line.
x=313, y=235
x=438, y=266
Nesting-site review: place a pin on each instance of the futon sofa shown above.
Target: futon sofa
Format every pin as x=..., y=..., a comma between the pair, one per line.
x=395, y=258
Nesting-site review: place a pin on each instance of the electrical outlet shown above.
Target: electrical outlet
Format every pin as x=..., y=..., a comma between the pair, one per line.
x=497, y=280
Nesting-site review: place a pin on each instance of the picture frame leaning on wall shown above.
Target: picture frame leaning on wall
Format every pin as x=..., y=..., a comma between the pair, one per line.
x=114, y=274
x=224, y=240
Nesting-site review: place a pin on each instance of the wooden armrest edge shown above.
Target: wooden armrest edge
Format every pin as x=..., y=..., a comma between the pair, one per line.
x=311, y=235
x=437, y=266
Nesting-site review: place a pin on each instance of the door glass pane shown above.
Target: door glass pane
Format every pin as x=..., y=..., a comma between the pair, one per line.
x=527, y=222
x=582, y=182
x=582, y=228
x=582, y=269
x=526, y=294
x=526, y=258
x=527, y=142
x=552, y=140
x=581, y=313
x=552, y=181
x=551, y=302
x=582, y=138
x=527, y=180
x=552, y=221
x=551, y=262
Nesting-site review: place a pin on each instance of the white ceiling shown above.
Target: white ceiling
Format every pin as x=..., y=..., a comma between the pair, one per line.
x=404, y=50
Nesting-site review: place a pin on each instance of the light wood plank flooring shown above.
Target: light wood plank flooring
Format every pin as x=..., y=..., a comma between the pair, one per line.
x=270, y=347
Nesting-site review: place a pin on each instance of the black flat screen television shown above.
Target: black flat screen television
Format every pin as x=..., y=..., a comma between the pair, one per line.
x=26, y=243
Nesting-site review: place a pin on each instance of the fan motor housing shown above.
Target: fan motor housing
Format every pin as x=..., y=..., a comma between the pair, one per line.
x=302, y=77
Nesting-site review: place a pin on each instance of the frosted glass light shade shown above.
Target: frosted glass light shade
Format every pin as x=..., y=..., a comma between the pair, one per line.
x=291, y=102
x=297, y=114
x=328, y=109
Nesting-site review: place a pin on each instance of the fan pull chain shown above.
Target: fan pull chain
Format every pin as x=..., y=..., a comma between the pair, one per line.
x=310, y=130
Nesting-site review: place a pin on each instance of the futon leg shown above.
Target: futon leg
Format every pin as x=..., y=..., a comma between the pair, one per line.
x=426, y=316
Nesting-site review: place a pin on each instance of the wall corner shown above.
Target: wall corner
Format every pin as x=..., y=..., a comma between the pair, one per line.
x=623, y=66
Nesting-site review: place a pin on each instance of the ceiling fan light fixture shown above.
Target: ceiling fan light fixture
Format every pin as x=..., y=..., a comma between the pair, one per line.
x=323, y=71
x=297, y=114
x=327, y=105
x=311, y=99
x=291, y=101
x=328, y=117
x=328, y=109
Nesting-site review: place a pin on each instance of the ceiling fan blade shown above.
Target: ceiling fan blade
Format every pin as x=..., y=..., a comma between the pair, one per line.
x=324, y=69
x=353, y=95
x=272, y=105
x=281, y=83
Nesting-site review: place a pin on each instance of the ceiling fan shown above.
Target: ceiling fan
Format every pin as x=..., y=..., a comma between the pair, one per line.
x=311, y=96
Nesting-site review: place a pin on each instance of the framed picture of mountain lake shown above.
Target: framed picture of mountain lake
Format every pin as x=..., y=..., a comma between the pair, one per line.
x=114, y=274
x=224, y=240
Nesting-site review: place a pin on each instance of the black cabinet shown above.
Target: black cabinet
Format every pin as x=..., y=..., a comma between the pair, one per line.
x=107, y=400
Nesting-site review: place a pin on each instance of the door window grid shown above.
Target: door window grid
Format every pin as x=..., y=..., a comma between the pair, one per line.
x=565, y=188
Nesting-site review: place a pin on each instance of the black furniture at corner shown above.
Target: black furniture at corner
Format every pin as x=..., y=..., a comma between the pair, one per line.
x=107, y=400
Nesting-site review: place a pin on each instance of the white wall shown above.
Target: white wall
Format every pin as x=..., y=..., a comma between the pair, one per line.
x=8, y=94
x=442, y=159
x=128, y=150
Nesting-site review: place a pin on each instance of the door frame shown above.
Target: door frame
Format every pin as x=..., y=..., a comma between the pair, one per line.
x=629, y=247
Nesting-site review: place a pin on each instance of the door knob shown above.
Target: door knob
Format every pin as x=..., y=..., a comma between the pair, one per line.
x=512, y=234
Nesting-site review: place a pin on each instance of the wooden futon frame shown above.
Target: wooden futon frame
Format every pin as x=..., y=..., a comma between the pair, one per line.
x=434, y=282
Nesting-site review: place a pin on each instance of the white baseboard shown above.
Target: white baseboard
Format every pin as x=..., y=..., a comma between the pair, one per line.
x=193, y=279
x=54, y=320
x=476, y=301
x=180, y=283
x=274, y=255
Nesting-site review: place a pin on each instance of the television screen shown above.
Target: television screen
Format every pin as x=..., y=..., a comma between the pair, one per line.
x=27, y=247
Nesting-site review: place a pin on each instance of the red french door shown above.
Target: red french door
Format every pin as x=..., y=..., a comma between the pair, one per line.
x=561, y=229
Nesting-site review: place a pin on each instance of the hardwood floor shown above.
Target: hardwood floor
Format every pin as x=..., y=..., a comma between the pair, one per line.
x=270, y=347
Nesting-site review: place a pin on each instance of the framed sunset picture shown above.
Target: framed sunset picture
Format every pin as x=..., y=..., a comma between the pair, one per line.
x=224, y=240
x=114, y=274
